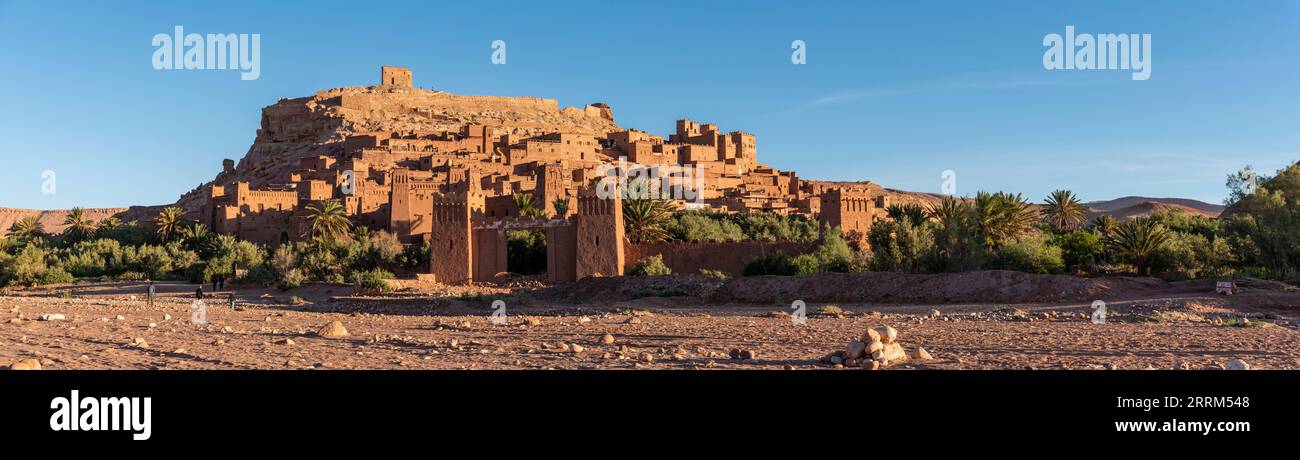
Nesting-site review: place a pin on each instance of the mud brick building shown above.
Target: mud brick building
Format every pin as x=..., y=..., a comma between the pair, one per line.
x=442, y=168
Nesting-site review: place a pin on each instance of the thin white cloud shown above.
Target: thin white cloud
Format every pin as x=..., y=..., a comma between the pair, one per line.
x=961, y=85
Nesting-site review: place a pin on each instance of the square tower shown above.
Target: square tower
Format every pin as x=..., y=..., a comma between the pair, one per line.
x=395, y=76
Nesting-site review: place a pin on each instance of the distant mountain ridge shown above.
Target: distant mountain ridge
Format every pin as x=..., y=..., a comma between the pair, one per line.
x=52, y=220
x=1131, y=206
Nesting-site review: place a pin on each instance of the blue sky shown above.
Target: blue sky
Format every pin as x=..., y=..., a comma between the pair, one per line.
x=893, y=92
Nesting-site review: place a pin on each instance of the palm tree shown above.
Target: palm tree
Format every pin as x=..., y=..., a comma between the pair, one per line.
x=193, y=232
x=169, y=221
x=956, y=234
x=327, y=219
x=27, y=229
x=108, y=224
x=360, y=233
x=910, y=211
x=644, y=219
x=1105, y=224
x=1137, y=240
x=561, y=206
x=524, y=202
x=79, y=224
x=1064, y=211
x=1002, y=216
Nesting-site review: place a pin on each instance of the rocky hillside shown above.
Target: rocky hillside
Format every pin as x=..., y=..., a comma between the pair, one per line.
x=317, y=125
x=52, y=220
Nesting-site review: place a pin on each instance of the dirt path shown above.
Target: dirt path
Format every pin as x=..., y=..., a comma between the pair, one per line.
x=102, y=325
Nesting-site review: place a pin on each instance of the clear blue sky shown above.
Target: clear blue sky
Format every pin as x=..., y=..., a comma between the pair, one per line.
x=894, y=92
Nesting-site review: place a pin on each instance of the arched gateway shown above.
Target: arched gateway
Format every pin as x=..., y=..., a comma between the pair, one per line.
x=470, y=246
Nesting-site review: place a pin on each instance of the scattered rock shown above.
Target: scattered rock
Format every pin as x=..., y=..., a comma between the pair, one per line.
x=887, y=334
x=876, y=348
x=584, y=320
x=934, y=313
x=739, y=354
x=855, y=349
x=26, y=365
x=50, y=317
x=333, y=329
x=647, y=358
x=922, y=354
x=120, y=318
x=607, y=339
x=575, y=348
x=831, y=310
x=1237, y=365
x=283, y=341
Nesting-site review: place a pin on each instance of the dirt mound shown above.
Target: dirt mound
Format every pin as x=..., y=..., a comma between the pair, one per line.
x=1149, y=207
x=994, y=286
x=978, y=286
x=630, y=287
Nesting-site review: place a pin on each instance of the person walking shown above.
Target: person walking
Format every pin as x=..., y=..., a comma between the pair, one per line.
x=198, y=293
x=151, y=290
x=232, y=300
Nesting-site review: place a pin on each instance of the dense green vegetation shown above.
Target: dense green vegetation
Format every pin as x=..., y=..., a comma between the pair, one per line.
x=1259, y=235
x=177, y=249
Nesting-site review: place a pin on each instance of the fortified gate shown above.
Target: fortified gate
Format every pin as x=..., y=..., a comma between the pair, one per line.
x=468, y=246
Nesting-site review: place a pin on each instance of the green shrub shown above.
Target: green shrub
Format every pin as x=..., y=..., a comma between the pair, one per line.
x=1080, y=248
x=30, y=266
x=1031, y=253
x=291, y=279
x=806, y=264
x=375, y=280
x=260, y=275
x=776, y=263
x=766, y=226
x=900, y=246
x=698, y=226
x=715, y=274
x=650, y=266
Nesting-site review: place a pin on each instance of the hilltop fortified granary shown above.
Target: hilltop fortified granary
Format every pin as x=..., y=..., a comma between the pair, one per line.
x=441, y=168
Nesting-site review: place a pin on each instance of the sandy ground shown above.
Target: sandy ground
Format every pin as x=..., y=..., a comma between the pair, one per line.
x=102, y=324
